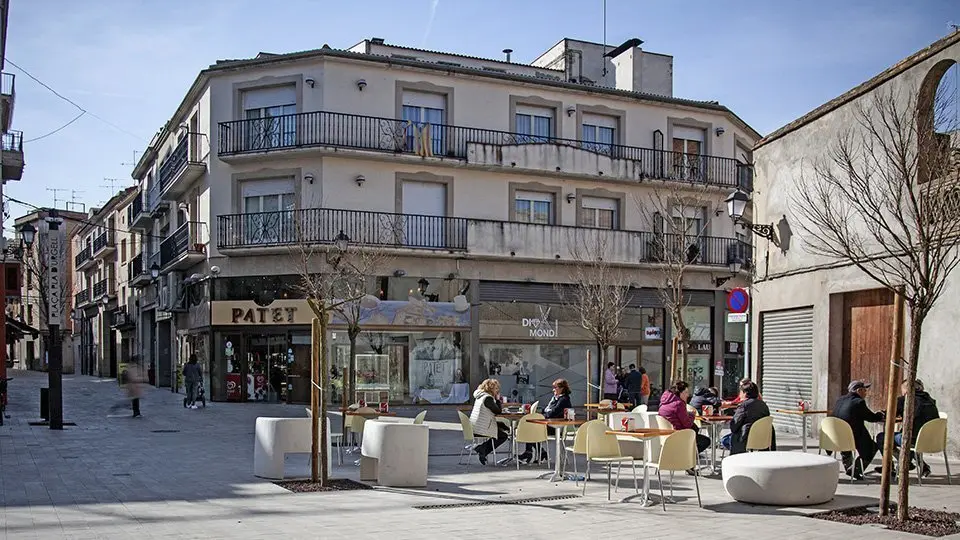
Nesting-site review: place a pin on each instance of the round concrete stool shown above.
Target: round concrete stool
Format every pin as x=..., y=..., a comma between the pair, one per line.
x=780, y=478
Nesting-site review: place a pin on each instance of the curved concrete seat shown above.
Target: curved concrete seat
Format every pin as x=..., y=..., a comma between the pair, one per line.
x=395, y=454
x=780, y=478
x=276, y=437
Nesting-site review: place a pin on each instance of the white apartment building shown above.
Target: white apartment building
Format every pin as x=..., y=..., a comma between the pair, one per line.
x=103, y=251
x=477, y=176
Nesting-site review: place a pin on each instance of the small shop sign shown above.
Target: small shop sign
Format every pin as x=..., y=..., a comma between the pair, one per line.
x=652, y=333
x=542, y=327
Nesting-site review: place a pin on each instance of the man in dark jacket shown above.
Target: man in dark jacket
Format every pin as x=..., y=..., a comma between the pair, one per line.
x=706, y=396
x=853, y=409
x=750, y=409
x=925, y=409
x=633, y=382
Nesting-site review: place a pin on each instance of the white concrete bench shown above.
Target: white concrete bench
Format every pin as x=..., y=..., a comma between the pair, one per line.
x=276, y=437
x=780, y=478
x=395, y=454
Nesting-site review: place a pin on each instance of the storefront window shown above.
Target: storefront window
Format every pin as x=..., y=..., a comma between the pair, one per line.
x=403, y=367
x=698, y=321
x=526, y=371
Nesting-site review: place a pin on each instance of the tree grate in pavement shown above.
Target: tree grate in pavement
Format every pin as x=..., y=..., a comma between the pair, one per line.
x=165, y=431
x=530, y=500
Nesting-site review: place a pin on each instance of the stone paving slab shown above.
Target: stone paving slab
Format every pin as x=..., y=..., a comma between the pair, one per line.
x=179, y=473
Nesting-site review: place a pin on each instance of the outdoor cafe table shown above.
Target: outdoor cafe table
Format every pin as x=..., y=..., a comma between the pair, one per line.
x=560, y=426
x=368, y=415
x=803, y=415
x=716, y=422
x=643, y=434
x=513, y=418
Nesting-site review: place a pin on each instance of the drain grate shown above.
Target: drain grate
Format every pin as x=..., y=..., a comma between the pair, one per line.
x=165, y=431
x=530, y=500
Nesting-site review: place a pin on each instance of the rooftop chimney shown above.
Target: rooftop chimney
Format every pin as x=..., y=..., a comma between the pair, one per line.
x=507, y=52
x=377, y=40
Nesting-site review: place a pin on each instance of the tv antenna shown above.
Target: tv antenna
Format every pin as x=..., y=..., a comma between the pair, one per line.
x=111, y=183
x=134, y=162
x=955, y=26
x=55, y=191
x=73, y=203
x=604, y=38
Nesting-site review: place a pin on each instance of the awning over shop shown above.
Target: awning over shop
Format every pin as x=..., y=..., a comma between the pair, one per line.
x=17, y=330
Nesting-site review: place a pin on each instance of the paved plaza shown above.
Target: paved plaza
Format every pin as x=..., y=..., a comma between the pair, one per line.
x=178, y=473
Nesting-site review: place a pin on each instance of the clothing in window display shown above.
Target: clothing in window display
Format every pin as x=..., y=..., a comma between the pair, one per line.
x=435, y=371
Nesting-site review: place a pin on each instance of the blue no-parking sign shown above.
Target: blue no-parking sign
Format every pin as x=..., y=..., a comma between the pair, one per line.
x=738, y=300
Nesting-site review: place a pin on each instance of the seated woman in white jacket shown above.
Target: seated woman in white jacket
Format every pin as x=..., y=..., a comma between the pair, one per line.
x=486, y=407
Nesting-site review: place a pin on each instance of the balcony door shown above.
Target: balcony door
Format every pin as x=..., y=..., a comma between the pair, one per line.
x=269, y=112
x=688, y=153
x=268, y=207
x=425, y=210
x=426, y=113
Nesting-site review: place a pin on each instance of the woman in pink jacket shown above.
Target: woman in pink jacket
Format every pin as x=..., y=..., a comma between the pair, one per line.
x=610, y=382
x=673, y=407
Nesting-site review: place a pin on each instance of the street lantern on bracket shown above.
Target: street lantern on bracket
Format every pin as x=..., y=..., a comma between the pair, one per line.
x=340, y=243
x=735, y=266
x=736, y=205
x=27, y=234
x=154, y=271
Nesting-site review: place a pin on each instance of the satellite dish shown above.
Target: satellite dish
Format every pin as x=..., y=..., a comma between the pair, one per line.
x=460, y=303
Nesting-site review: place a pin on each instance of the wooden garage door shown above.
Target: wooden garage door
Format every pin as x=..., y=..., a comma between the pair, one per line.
x=867, y=338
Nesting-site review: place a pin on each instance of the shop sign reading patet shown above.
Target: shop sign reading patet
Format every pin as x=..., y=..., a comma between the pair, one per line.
x=542, y=327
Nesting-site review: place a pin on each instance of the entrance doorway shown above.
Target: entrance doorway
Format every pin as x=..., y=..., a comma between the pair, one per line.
x=266, y=367
x=867, y=336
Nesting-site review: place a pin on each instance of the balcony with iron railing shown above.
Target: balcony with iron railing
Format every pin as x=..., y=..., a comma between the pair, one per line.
x=12, y=160
x=137, y=214
x=120, y=318
x=476, y=237
x=81, y=298
x=84, y=258
x=179, y=170
x=183, y=248
x=477, y=146
x=104, y=287
x=137, y=274
x=104, y=244
x=8, y=95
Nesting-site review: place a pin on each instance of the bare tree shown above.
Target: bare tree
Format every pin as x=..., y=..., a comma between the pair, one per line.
x=599, y=291
x=678, y=216
x=885, y=199
x=335, y=277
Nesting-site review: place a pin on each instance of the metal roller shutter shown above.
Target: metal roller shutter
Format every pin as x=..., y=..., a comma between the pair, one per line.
x=786, y=363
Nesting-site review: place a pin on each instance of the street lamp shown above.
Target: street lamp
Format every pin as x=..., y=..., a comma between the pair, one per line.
x=736, y=204
x=27, y=233
x=735, y=266
x=341, y=242
x=154, y=271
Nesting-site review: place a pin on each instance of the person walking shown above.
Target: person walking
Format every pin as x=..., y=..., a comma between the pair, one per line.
x=192, y=375
x=133, y=384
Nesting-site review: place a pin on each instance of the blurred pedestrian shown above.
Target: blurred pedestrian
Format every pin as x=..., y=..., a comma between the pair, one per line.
x=192, y=376
x=133, y=384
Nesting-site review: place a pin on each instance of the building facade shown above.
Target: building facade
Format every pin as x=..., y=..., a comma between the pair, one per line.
x=103, y=248
x=30, y=352
x=11, y=168
x=482, y=181
x=820, y=324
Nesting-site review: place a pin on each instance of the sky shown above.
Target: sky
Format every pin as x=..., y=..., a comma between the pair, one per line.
x=128, y=63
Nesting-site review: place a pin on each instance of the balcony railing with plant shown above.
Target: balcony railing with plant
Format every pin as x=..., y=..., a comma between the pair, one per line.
x=341, y=130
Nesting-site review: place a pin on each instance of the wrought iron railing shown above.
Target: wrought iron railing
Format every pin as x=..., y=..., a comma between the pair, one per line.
x=102, y=241
x=173, y=164
x=183, y=240
x=81, y=297
x=82, y=256
x=12, y=141
x=135, y=208
x=135, y=268
x=119, y=317
x=103, y=287
x=323, y=225
x=340, y=130
x=7, y=86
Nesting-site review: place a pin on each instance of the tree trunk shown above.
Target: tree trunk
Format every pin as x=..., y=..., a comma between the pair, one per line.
x=893, y=384
x=324, y=384
x=316, y=422
x=352, y=334
x=903, y=485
